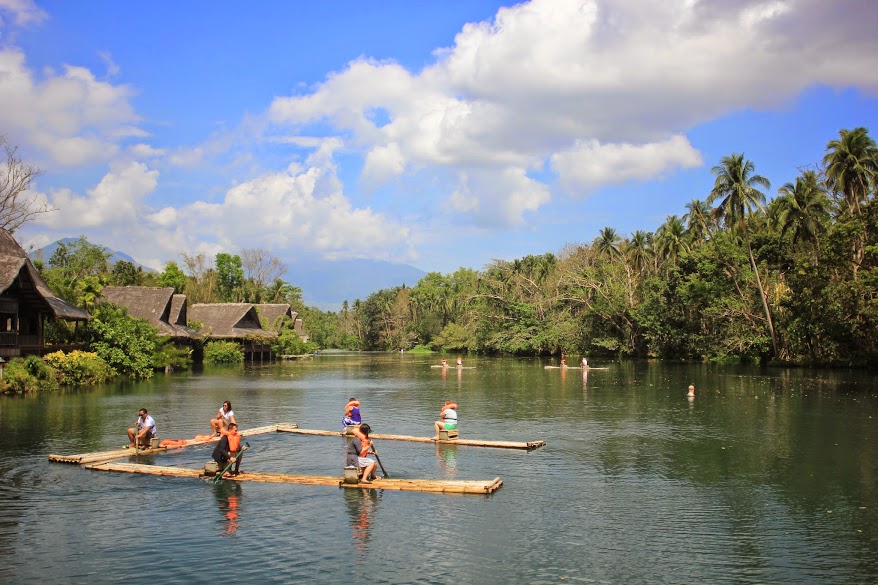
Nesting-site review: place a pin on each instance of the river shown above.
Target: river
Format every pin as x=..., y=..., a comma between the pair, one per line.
x=766, y=476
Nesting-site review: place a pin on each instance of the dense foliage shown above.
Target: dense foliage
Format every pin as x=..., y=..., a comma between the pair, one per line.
x=126, y=344
x=222, y=352
x=27, y=375
x=79, y=367
x=736, y=277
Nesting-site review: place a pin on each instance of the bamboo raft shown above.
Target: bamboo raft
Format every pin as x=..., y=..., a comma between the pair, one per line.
x=467, y=442
x=87, y=458
x=404, y=485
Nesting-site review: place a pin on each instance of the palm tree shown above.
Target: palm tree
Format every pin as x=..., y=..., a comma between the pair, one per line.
x=736, y=188
x=851, y=164
x=608, y=242
x=698, y=220
x=638, y=249
x=671, y=239
x=803, y=208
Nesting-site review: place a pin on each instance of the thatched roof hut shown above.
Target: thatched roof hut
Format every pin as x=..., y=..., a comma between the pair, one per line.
x=156, y=305
x=228, y=320
x=21, y=279
x=273, y=314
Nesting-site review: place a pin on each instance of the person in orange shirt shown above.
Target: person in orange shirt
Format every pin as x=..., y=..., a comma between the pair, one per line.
x=229, y=448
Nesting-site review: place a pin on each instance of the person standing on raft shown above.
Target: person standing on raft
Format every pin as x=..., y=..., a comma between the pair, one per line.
x=224, y=417
x=228, y=448
x=352, y=416
x=449, y=418
x=142, y=432
x=361, y=446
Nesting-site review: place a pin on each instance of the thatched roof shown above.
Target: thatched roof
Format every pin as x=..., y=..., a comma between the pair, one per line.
x=228, y=320
x=274, y=314
x=151, y=303
x=16, y=270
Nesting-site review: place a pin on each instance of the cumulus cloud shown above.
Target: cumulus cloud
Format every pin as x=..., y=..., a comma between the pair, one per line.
x=71, y=116
x=589, y=164
x=600, y=89
x=117, y=199
x=299, y=210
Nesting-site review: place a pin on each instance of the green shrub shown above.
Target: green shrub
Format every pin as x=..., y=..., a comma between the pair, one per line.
x=289, y=343
x=127, y=344
x=26, y=375
x=223, y=352
x=80, y=367
x=167, y=355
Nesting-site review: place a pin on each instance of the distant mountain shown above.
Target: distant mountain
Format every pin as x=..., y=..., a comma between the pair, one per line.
x=325, y=284
x=46, y=252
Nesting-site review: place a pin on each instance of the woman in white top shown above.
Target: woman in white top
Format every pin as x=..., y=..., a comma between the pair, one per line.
x=223, y=419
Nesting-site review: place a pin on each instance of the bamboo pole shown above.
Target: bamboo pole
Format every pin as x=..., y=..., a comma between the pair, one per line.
x=85, y=458
x=467, y=442
x=409, y=485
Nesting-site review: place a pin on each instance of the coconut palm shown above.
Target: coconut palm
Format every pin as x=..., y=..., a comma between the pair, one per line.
x=608, y=242
x=803, y=208
x=638, y=250
x=671, y=239
x=698, y=220
x=736, y=189
x=851, y=163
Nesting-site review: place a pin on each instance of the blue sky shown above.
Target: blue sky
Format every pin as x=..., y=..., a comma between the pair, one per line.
x=441, y=134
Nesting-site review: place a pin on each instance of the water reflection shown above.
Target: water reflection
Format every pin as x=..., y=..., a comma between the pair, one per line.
x=446, y=455
x=361, y=506
x=228, y=495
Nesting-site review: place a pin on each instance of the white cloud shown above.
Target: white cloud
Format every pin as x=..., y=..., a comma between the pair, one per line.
x=71, y=116
x=300, y=210
x=383, y=163
x=24, y=12
x=602, y=89
x=589, y=164
x=116, y=200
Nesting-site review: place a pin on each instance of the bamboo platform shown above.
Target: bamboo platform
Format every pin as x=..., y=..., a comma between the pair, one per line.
x=86, y=458
x=405, y=485
x=377, y=436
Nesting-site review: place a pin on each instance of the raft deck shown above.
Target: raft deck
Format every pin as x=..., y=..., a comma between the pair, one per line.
x=468, y=442
x=404, y=485
x=86, y=458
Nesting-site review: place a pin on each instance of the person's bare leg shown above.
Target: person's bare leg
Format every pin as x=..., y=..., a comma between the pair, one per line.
x=132, y=438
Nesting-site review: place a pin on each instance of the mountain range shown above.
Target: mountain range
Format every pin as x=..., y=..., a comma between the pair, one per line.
x=325, y=284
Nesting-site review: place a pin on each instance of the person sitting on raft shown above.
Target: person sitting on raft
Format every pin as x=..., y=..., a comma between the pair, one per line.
x=449, y=418
x=224, y=418
x=142, y=432
x=352, y=416
x=563, y=363
x=459, y=362
x=228, y=448
x=584, y=362
x=444, y=362
x=361, y=446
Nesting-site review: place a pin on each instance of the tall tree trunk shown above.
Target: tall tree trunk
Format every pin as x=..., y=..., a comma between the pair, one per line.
x=764, y=299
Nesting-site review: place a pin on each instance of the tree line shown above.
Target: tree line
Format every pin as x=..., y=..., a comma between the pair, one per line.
x=736, y=276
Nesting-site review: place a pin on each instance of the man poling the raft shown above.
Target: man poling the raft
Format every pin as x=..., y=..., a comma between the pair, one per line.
x=229, y=450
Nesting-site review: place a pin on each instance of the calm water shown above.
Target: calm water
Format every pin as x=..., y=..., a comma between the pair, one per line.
x=768, y=476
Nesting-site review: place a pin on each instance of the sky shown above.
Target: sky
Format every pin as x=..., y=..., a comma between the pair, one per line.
x=436, y=134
